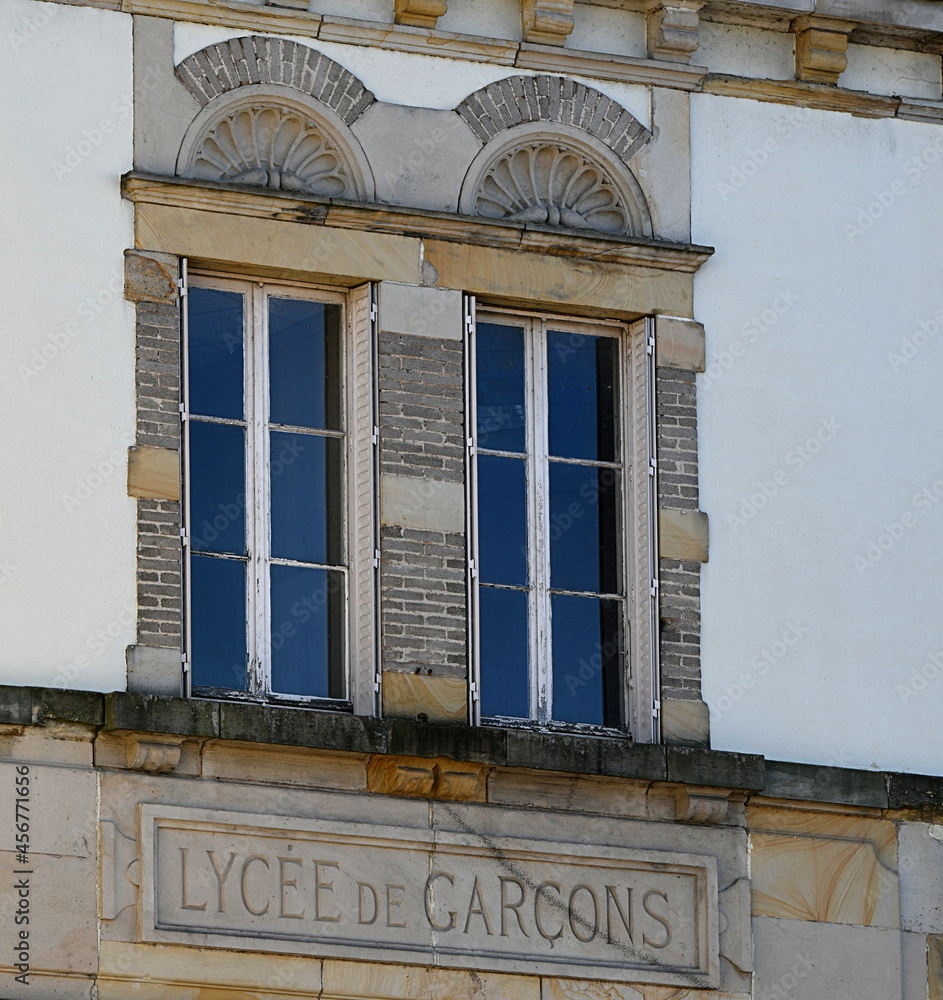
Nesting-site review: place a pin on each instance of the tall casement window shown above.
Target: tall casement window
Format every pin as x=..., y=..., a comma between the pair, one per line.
x=272, y=455
x=553, y=448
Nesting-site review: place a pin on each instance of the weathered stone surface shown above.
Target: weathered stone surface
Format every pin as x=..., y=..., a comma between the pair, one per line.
x=150, y=276
x=920, y=864
x=371, y=981
x=823, y=866
x=155, y=670
x=154, y=714
x=154, y=473
x=821, y=44
x=570, y=989
x=64, y=705
x=826, y=784
x=418, y=155
x=420, y=312
x=722, y=770
x=260, y=762
x=803, y=960
x=935, y=966
x=679, y=343
x=424, y=778
x=914, y=970
x=423, y=504
x=418, y=696
x=297, y=727
x=915, y=791
x=419, y=739
x=683, y=534
x=572, y=793
x=685, y=723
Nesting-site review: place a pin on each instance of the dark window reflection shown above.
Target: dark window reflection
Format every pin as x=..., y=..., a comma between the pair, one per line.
x=215, y=352
x=499, y=362
x=307, y=515
x=503, y=653
x=305, y=363
x=218, y=623
x=587, y=660
x=307, y=609
x=585, y=536
x=502, y=519
x=217, y=488
x=582, y=382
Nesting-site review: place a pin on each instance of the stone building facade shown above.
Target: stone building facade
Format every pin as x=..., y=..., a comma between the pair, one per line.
x=387, y=655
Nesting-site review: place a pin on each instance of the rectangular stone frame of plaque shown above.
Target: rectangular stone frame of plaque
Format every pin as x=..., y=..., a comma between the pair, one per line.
x=417, y=848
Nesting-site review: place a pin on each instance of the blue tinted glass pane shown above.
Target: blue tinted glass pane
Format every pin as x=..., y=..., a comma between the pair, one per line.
x=499, y=362
x=502, y=520
x=503, y=652
x=582, y=382
x=585, y=542
x=307, y=632
x=304, y=364
x=217, y=488
x=218, y=623
x=214, y=352
x=586, y=635
x=306, y=497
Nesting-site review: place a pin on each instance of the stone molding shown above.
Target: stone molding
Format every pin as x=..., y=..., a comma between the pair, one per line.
x=804, y=94
x=420, y=13
x=520, y=99
x=673, y=30
x=821, y=43
x=547, y=21
x=254, y=59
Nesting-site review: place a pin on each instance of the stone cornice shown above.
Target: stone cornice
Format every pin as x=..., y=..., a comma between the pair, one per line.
x=809, y=95
x=311, y=210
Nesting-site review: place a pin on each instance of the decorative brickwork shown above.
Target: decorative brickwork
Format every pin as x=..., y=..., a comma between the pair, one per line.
x=158, y=425
x=520, y=99
x=253, y=59
x=423, y=617
x=680, y=586
x=421, y=407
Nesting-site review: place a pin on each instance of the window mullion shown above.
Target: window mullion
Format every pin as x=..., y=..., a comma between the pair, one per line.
x=258, y=496
x=538, y=500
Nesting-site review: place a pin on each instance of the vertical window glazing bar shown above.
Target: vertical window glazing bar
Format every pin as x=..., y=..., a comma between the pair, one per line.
x=654, y=597
x=471, y=514
x=184, y=478
x=539, y=516
x=258, y=499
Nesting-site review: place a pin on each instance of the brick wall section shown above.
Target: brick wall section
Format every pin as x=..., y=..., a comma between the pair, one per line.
x=676, y=404
x=421, y=407
x=423, y=616
x=159, y=589
x=422, y=575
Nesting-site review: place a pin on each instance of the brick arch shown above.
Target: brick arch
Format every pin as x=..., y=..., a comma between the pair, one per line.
x=255, y=59
x=520, y=99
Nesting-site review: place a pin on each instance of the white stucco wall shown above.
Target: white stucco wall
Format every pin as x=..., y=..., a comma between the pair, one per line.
x=67, y=544
x=892, y=71
x=821, y=433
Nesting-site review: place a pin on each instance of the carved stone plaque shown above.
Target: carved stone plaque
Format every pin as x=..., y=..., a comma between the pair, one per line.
x=421, y=896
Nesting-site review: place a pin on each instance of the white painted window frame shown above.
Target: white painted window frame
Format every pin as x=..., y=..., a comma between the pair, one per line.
x=359, y=478
x=638, y=504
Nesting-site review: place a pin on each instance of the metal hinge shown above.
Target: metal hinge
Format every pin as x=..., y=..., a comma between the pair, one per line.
x=183, y=412
x=470, y=445
x=473, y=690
x=656, y=709
x=181, y=287
x=376, y=684
x=472, y=568
x=184, y=538
x=376, y=558
x=652, y=466
x=374, y=434
x=650, y=344
x=653, y=589
x=374, y=312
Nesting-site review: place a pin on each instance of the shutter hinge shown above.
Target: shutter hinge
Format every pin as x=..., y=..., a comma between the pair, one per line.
x=470, y=445
x=376, y=684
x=653, y=589
x=184, y=538
x=652, y=466
x=374, y=312
x=650, y=344
x=181, y=287
x=472, y=568
x=656, y=709
x=473, y=690
x=376, y=558
x=183, y=412
x=374, y=434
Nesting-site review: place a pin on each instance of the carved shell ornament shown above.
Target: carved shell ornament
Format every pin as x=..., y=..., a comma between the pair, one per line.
x=552, y=184
x=273, y=147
